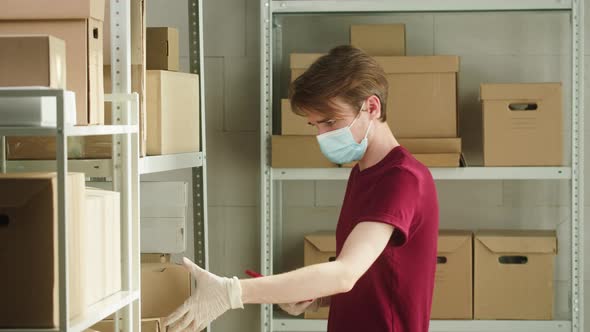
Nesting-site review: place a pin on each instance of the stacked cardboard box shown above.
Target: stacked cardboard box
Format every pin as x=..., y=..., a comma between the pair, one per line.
x=164, y=287
x=28, y=205
x=79, y=24
x=513, y=275
x=490, y=275
x=421, y=105
x=169, y=100
x=453, y=288
x=97, y=147
x=522, y=124
x=319, y=247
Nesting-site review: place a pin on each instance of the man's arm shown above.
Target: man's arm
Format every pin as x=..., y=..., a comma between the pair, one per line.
x=362, y=247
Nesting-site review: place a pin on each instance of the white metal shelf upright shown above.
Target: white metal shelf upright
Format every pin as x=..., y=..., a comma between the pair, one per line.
x=129, y=294
x=270, y=10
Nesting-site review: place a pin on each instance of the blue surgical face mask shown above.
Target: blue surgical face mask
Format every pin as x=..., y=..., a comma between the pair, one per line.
x=340, y=147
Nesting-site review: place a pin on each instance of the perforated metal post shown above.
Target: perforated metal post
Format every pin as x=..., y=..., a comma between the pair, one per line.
x=120, y=11
x=266, y=227
x=577, y=300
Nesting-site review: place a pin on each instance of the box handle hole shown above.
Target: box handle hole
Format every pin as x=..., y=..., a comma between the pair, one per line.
x=523, y=106
x=332, y=259
x=513, y=260
x=95, y=33
x=4, y=220
x=441, y=260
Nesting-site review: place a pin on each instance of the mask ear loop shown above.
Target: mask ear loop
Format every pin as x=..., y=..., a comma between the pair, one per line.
x=358, y=116
x=368, y=129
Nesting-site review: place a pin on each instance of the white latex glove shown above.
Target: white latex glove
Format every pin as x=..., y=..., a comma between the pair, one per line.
x=297, y=308
x=213, y=296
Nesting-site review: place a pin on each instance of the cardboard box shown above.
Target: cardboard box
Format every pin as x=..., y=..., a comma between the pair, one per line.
x=51, y=9
x=164, y=287
x=103, y=242
x=431, y=145
x=293, y=124
x=83, y=38
x=319, y=247
x=101, y=147
x=138, y=62
x=432, y=152
x=298, y=152
x=439, y=159
x=162, y=49
x=522, y=124
x=172, y=112
x=155, y=258
x=40, y=148
x=513, y=274
x=379, y=39
x=163, y=217
x=453, y=288
x=299, y=62
x=32, y=61
x=147, y=325
x=422, y=96
x=28, y=206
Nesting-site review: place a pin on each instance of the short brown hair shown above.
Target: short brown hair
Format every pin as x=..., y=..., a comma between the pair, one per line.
x=345, y=72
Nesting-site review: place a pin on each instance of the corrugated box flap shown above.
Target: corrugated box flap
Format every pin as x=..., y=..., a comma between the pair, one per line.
x=303, y=60
x=519, y=91
x=419, y=64
x=450, y=241
x=323, y=241
x=534, y=242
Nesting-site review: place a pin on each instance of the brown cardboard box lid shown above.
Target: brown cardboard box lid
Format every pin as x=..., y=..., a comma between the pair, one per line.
x=534, y=242
x=155, y=258
x=419, y=64
x=451, y=240
x=164, y=287
x=52, y=9
x=322, y=241
x=519, y=91
x=303, y=60
x=393, y=64
x=431, y=145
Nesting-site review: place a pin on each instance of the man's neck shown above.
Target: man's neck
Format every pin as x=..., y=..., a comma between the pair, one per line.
x=381, y=142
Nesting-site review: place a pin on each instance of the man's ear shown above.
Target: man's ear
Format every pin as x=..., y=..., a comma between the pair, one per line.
x=374, y=107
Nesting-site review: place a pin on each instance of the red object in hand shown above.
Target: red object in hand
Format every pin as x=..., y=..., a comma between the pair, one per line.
x=254, y=274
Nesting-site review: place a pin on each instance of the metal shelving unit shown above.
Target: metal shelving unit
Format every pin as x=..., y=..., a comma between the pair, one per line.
x=309, y=325
x=123, y=170
x=127, y=132
x=269, y=29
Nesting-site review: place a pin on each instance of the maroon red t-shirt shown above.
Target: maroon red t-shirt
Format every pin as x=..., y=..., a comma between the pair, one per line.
x=395, y=294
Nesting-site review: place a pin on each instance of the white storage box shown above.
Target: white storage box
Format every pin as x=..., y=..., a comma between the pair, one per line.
x=36, y=111
x=163, y=217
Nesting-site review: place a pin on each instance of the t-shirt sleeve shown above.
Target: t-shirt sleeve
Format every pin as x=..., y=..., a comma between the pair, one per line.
x=394, y=201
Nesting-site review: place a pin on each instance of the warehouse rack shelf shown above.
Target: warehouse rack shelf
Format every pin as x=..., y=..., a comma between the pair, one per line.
x=127, y=183
x=95, y=313
x=123, y=169
x=452, y=173
x=272, y=178
x=283, y=323
x=102, y=168
x=376, y=6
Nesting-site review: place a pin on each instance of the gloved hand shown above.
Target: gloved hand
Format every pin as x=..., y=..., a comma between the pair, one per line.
x=213, y=296
x=297, y=308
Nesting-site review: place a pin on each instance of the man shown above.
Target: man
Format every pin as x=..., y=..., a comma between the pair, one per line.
x=383, y=276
